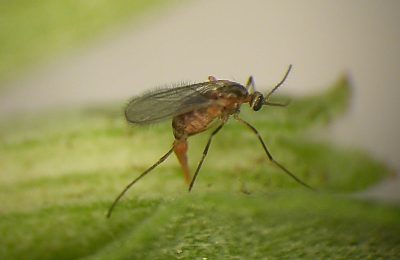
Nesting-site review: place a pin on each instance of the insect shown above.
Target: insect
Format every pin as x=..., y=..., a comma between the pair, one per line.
x=193, y=109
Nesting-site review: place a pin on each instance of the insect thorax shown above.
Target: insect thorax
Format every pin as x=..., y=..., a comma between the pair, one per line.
x=231, y=89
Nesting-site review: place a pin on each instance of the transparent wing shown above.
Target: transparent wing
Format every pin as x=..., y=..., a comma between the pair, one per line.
x=164, y=103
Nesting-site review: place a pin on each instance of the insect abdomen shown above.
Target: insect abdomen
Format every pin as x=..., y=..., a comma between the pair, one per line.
x=195, y=121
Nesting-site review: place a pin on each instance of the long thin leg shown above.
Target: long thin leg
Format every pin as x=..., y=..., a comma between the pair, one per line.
x=204, y=155
x=162, y=159
x=269, y=154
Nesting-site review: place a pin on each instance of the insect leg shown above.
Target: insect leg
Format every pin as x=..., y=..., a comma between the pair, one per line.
x=269, y=154
x=180, y=149
x=250, y=84
x=204, y=155
x=162, y=159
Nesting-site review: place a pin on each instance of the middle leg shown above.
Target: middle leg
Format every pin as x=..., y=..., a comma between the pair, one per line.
x=204, y=155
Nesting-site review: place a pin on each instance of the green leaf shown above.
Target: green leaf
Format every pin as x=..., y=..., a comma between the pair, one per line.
x=59, y=173
x=216, y=225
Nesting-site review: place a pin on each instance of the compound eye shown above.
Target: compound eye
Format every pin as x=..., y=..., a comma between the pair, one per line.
x=257, y=102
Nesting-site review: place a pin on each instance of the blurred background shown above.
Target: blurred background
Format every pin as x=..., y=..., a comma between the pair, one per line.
x=67, y=68
x=75, y=53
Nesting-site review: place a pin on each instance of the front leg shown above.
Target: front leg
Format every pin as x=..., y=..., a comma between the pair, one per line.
x=269, y=155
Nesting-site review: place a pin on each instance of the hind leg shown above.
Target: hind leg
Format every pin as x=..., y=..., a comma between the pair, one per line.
x=180, y=149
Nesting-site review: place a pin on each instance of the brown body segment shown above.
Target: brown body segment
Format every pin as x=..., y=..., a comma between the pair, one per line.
x=200, y=120
x=190, y=124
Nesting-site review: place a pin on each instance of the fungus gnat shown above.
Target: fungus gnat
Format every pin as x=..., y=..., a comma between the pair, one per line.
x=193, y=108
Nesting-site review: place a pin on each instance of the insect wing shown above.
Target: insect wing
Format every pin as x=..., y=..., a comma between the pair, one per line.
x=164, y=103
